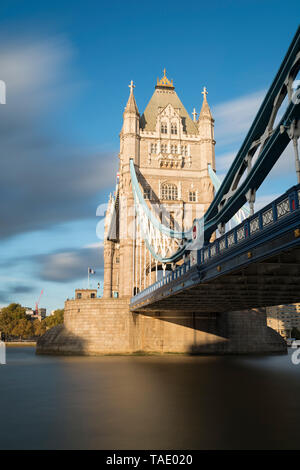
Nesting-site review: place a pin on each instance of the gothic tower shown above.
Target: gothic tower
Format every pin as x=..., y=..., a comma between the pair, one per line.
x=171, y=152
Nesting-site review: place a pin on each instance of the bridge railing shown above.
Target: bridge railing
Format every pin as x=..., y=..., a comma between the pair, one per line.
x=262, y=220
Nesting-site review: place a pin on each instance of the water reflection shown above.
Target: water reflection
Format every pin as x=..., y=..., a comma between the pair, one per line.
x=170, y=402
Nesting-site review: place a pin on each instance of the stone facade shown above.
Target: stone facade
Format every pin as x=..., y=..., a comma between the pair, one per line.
x=171, y=153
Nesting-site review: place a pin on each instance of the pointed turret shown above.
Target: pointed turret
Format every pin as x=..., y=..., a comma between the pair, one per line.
x=131, y=106
x=206, y=131
x=205, y=110
x=130, y=130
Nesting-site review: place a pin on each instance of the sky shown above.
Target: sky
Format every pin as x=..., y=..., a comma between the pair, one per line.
x=67, y=66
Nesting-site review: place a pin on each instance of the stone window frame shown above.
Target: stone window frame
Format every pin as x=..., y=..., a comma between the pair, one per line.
x=169, y=192
x=174, y=130
x=153, y=148
x=184, y=150
x=164, y=127
x=192, y=195
x=147, y=193
x=174, y=149
x=164, y=148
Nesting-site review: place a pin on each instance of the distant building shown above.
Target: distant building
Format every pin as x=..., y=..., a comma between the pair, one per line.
x=283, y=318
x=42, y=312
x=29, y=311
x=36, y=316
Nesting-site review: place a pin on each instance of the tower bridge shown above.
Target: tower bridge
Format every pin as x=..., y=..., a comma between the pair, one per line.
x=176, y=278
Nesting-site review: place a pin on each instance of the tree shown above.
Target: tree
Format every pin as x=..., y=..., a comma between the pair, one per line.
x=39, y=328
x=56, y=319
x=22, y=328
x=9, y=316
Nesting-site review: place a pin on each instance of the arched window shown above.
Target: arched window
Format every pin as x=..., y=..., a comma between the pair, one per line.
x=164, y=128
x=169, y=192
x=173, y=128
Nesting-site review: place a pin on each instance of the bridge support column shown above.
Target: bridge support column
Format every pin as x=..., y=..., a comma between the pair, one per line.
x=243, y=332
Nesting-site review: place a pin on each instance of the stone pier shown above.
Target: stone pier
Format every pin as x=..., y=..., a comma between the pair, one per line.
x=96, y=326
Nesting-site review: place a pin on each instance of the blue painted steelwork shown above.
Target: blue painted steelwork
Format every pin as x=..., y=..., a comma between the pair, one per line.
x=231, y=196
x=217, y=184
x=274, y=219
x=222, y=210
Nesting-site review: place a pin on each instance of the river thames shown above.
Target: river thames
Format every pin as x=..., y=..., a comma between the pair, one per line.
x=148, y=402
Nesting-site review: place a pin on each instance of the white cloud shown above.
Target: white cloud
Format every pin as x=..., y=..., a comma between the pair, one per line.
x=264, y=199
x=44, y=179
x=234, y=118
x=223, y=163
x=27, y=66
x=70, y=265
x=284, y=167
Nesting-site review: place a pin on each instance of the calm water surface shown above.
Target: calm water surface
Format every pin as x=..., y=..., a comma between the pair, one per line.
x=150, y=402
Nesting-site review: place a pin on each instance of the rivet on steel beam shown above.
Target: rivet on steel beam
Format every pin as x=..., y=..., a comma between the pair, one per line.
x=249, y=254
x=218, y=268
x=297, y=232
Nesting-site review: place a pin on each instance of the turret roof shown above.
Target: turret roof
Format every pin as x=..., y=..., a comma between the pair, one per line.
x=205, y=110
x=163, y=95
x=131, y=105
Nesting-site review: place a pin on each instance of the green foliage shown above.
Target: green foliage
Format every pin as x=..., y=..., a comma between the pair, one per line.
x=39, y=328
x=22, y=328
x=15, y=323
x=10, y=316
x=56, y=319
x=295, y=333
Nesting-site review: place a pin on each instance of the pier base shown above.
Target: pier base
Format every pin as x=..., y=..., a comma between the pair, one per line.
x=106, y=326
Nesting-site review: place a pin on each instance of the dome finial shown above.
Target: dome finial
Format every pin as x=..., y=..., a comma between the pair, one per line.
x=204, y=92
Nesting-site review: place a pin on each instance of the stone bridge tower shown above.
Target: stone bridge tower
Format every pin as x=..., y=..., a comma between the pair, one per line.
x=171, y=152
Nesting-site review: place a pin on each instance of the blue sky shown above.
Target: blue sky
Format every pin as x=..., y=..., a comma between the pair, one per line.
x=67, y=66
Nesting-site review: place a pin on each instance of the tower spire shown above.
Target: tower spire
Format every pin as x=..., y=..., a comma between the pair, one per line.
x=131, y=106
x=205, y=110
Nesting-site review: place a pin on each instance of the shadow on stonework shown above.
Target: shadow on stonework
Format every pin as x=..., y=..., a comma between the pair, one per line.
x=240, y=332
x=60, y=341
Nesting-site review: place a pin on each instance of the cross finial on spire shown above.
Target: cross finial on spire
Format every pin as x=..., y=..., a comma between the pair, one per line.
x=164, y=72
x=204, y=92
x=131, y=86
x=194, y=115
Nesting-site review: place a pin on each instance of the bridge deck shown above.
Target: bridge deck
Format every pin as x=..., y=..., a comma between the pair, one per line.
x=260, y=269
